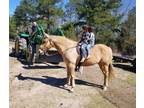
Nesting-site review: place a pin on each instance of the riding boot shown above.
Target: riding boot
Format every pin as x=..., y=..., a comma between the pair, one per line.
x=77, y=68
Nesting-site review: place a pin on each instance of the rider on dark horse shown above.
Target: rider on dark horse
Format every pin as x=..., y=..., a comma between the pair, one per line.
x=85, y=44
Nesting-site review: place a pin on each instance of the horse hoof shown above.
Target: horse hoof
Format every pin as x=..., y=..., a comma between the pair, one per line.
x=66, y=86
x=71, y=90
x=104, y=88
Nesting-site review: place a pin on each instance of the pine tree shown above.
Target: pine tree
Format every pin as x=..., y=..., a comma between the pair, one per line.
x=129, y=33
x=101, y=14
x=44, y=11
x=12, y=27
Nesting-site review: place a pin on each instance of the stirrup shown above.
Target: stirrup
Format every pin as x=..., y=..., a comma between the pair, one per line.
x=77, y=68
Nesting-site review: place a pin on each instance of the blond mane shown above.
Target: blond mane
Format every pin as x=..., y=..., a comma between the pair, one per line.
x=63, y=40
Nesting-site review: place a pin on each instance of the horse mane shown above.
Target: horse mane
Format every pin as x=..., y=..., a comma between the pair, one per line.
x=63, y=40
x=68, y=42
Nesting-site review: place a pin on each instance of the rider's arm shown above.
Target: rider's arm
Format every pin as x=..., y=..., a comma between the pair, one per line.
x=92, y=39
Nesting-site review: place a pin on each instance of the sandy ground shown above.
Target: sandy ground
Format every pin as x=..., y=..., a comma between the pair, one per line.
x=40, y=86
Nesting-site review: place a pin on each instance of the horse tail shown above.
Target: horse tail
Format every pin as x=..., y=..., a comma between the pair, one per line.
x=111, y=71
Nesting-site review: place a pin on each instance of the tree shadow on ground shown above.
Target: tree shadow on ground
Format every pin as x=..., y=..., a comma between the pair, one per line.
x=125, y=67
x=57, y=82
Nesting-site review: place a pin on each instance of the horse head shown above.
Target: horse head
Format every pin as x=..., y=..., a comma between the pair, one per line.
x=46, y=44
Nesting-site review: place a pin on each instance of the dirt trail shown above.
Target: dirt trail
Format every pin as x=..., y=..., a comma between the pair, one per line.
x=40, y=86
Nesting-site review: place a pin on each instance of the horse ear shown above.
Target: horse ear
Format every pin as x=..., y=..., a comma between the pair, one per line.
x=46, y=35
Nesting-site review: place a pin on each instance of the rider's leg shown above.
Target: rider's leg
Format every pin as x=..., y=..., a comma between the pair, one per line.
x=84, y=51
x=88, y=50
x=79, y=62
x=82, y=56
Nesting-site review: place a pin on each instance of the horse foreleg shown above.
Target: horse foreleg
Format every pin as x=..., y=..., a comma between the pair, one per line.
x=71, y=69
x=68, y=83
x=73, y=84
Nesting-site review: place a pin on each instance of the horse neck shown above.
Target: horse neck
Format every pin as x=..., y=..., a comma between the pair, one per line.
x=62, y=43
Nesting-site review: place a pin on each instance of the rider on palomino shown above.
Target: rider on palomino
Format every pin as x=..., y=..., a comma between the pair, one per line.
x=91, y=40
x=85, y=44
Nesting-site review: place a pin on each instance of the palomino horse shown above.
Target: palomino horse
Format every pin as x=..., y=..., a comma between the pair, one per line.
x=100, y=54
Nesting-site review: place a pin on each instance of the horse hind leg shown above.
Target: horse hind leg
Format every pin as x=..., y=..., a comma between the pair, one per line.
x=106, y=77
x=104, y=69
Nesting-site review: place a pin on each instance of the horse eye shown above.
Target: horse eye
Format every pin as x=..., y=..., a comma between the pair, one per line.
x=43, y=42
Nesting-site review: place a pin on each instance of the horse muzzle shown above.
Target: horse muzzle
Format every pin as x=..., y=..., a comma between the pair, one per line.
x=41, y=52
